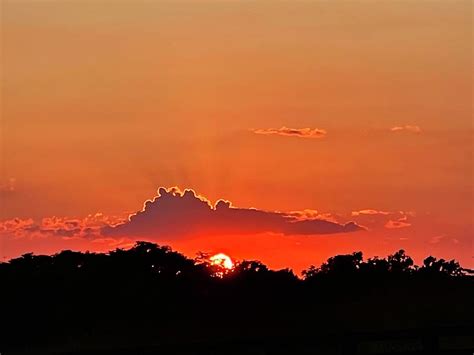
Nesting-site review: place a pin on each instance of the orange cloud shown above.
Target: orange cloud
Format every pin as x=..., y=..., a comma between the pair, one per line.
x=293, y=132
x=399, y=223
x=87, y=227
x=374, y=218
x=436, y=239
x=309, y=214
x=17, y=227
x=370, y=212
x=406, y=128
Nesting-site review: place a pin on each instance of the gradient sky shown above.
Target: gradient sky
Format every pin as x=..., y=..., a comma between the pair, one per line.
x=104, y=102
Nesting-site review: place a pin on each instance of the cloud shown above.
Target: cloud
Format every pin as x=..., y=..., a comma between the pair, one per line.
x=293, y=132
x=399, y=223
x=436, y=239
x=375, y=218
x=170, y=217
x=309, y=214
x=370, y=212
x=88, y=227
x=52, y=234
x=406, y=128
x=174, y=213
x=17, y=226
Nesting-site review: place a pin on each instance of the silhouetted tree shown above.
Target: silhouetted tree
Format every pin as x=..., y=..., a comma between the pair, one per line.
x=434, y=266
x=153, y=289
x=400, y=263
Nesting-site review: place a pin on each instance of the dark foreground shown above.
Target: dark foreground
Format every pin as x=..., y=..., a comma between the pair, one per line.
x=151, y=300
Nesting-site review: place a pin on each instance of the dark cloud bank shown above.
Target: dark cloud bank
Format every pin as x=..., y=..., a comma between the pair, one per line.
x=174, y=213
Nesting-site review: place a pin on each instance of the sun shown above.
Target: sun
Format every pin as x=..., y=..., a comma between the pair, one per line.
x=222, y=260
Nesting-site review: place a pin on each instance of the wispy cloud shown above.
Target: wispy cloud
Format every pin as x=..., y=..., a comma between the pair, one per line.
x=370, y=212
x=293, y=132
x=406, y=128
x=437, y=238
x=399, y=223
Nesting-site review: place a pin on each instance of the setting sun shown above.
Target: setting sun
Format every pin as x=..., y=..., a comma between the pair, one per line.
x=222, y=260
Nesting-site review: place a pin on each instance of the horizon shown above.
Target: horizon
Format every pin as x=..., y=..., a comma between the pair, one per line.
x=222, y=266
x=210, y=234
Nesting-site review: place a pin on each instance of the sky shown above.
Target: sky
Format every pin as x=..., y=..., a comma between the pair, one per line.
x=325, y=127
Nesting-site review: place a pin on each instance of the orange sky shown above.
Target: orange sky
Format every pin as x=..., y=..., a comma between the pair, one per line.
x=104, y=102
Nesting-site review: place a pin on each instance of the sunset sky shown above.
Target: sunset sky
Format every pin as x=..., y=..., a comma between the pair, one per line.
x=326, y=126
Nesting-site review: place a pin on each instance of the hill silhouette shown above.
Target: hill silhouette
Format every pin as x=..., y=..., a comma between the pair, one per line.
x=152, y=300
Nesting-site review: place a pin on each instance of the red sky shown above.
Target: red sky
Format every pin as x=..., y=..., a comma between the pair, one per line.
x=306, y=111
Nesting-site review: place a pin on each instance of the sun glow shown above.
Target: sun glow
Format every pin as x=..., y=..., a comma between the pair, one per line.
x=222, y=260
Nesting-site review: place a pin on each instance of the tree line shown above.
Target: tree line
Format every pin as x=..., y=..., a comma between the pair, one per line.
x=152, y=293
